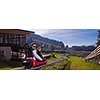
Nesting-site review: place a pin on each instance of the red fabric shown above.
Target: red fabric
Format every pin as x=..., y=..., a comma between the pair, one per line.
x=36, y=63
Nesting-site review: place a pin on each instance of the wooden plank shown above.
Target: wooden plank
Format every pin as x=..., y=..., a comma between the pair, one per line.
x=94, y=53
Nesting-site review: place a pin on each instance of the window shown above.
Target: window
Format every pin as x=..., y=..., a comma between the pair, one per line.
x=22, y=39
x=1, y=53
x=1, y=40
x=17, y=39
x=12, y=38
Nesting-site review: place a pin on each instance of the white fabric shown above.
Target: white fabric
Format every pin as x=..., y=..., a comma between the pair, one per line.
x=36, y=55
x=23, y=56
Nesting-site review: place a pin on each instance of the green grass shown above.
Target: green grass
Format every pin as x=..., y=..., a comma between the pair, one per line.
x=7, y=65
x=58, y=57
x=60, y=66
x=80, y=64
x=6, y=68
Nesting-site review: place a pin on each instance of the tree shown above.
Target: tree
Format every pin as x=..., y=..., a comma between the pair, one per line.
x=98, y=40
x=66, y=47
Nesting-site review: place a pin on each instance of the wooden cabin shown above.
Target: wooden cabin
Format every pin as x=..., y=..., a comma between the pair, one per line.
x=11, y=40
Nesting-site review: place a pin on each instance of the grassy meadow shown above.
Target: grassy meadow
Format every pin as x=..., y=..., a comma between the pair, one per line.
x=65, y=65
x=78, y=63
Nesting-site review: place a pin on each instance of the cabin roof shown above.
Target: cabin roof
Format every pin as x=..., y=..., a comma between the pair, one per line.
x=15, y=31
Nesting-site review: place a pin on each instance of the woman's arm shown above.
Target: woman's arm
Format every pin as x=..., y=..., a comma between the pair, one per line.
x=36, y=55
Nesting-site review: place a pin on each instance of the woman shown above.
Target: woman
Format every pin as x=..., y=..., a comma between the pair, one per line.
x=27, y=54
x=37, y=52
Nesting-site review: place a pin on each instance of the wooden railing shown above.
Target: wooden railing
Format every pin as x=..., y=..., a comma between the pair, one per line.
x=94, y=53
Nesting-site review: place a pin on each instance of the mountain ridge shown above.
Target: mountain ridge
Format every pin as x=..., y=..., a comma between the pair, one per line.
x=48, y=42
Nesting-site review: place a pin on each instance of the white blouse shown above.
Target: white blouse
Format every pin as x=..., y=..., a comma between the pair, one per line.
x=36, y=55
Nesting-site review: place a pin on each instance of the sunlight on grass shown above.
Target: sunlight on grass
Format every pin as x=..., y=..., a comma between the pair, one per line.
x=60, y=66
x=81, y=64
x=58, y=57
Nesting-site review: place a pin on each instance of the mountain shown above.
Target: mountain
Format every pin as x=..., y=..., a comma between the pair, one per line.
x=83, y=48
x=49, y=44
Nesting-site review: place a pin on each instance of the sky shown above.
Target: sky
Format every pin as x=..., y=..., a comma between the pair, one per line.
x=71, y=37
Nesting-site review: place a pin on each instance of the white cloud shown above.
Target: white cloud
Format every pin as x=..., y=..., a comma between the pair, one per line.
x=41, y=31
x=70, y=36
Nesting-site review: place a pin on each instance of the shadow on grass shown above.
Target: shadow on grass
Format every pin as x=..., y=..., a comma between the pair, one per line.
x=5, y=65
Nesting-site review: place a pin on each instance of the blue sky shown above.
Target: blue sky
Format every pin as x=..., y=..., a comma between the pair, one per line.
x=71, y=36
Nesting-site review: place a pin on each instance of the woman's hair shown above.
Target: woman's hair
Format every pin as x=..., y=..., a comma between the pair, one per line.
x=26, y=46
x=33, y=43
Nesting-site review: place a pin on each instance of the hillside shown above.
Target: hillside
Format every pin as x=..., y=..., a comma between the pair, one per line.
x=49, y=43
